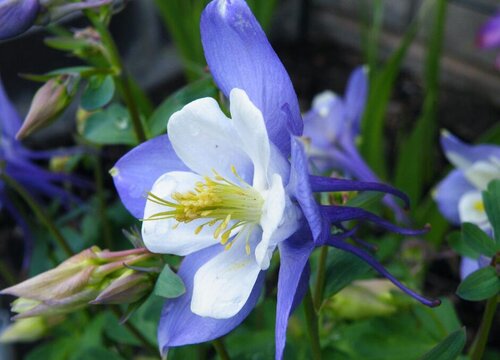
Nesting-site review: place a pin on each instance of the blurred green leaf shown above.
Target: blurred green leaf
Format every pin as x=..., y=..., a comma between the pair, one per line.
x=365, y=200
x=449, y=349
x=111, y=126
x=169, y=284
x=95, y=353
x=480, y=285
x=99, y=92
x=342, y=268
x=263, y=11
x=66, y=43
x=457, y=243
x=478, y=240
x=199, y=89
x=491, y=199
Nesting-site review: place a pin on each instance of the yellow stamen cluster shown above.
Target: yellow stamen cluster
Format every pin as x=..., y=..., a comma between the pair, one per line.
x=218, y=200
x=479, y=206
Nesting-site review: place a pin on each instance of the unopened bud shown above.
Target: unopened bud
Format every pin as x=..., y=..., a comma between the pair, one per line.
x=365, y=298
x=17, y=16
x=30, y=329
x=48, y=103
x=92, y=276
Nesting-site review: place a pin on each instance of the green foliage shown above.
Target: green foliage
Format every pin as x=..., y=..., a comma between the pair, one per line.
x=477, y=240
x=99, y=92
x=449, y=349
x=480, y=285
x=169, y=285
x=491, y=199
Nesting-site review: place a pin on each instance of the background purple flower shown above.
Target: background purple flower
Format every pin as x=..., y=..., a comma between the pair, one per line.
x=489, y=35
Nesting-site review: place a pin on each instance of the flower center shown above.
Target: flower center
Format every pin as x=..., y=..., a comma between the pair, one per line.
x=479, y=206
x=216, y=199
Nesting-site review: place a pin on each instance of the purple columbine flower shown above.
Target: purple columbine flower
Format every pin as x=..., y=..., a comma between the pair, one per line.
x=226, y=192
x=458, y=195
x=18, y=163
x=331, y=129
x=489, y=35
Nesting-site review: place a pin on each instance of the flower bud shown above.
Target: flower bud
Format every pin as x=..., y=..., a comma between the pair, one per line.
x=17, y=16
x=92, y=276
x=48, y=103
x=30, y=329
x=365, y=298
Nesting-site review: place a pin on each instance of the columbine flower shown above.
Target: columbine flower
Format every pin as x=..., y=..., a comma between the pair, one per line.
x=489, y=35
x=17, y=16
x=17, y=162
x=332, y=127
x=227, y=191
x=459, y=194
x=93, y=276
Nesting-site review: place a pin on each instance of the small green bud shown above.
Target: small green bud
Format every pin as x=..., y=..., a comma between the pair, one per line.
x=48, y=103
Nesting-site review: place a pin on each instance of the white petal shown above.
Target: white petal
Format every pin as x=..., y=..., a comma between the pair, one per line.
x=322, y=102
x=280, y=218
x=161, y=236
x=482, y=172
x=205, y=140
x=222, y=285
x=471, y=209
x=250, y=126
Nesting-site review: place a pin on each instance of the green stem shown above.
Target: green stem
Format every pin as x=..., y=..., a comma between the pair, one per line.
x=135, y=331
x=479, y=344
x=221, y=349
x=312, y=325
x=320, y=281
x=40, y=213
x=121, y=78
x=106, y=227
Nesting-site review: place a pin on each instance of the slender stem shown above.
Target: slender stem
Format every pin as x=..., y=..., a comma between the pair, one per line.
x=479, y=344
x=221, y=349
x=136, y=332
x=121, y=78
x=40, y=213
x=106, y=227
x=320, y=281
x=312, y=325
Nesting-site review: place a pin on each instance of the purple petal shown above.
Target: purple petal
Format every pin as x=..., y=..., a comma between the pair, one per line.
x=355, y=98
x=339, y=214
x=489, y=34
x=470, y=153
x=300, y=188
x=448, y=193
x=240, y=56
x=10, y=122
x=179, y=326
x=380, y=269
x=293, y=281
x=326, y=184
x=17, y=16
x=468, y=266
x=135, y=173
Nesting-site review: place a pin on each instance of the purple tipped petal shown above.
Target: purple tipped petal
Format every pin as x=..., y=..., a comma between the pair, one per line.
x=448, y=193
x=300, y=188
x=292, y=282
x=355, y=97
x=240, y=56
x=468, y=266
x=338, y=214
x=17, y=16
x=179, y=326
x=135, y=173
x=457, y=150
x=380, y=269
x=10, y=122
x=326, y=184
x=489, y=34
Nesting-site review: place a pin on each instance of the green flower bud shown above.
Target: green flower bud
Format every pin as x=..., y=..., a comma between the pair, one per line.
x=48, y=103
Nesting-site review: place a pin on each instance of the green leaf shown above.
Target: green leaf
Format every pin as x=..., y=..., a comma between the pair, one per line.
x=99, y=92
x=169, y=284
x=480, y=285
x=95, y=353
x=111, y=126
x=66, y=43
x=342, y=268
x=491, y=200
x=477, y=239
x=449, y=349
x=458, y=244
x=201, y=88
x=365, y=199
